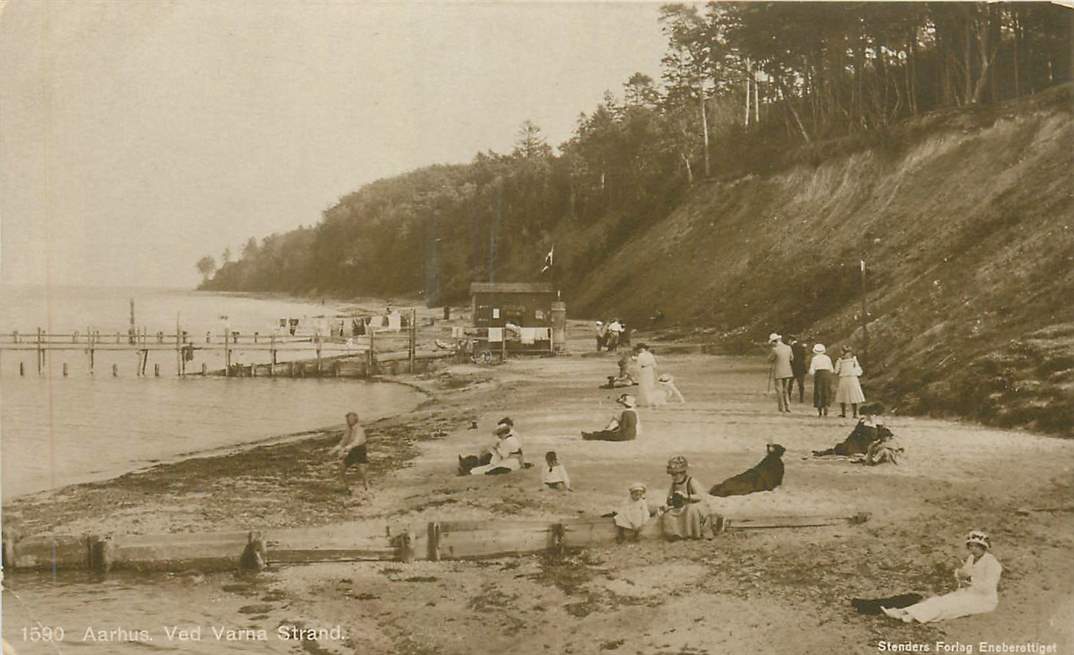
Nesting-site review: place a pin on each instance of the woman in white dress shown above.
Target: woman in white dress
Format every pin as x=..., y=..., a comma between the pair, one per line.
x=646, y=363
x=849, y=392
x=977, y=578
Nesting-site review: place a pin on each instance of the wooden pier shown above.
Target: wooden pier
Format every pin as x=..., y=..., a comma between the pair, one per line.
x=323, y=355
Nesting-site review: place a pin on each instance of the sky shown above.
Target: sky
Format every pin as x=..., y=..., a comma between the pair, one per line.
x=136, y=137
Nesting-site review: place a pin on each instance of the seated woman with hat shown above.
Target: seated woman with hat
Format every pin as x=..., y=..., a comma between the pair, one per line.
x=503, y=456
x=977, y=580
x=686, y=515
x=625, y=428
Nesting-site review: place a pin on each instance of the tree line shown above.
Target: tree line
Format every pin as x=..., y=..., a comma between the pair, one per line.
x=741, y=85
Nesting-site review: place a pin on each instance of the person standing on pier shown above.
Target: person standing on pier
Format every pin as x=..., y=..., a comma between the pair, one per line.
x=351, y=451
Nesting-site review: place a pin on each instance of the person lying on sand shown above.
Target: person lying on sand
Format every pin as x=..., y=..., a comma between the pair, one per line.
x=765, y=476
x=504, y=456
x=867, y=431
x=977, y=580
x=351, y=451
x=625, y=428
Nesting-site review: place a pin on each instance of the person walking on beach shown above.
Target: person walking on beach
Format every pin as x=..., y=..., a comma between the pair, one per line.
x=821, y=369
x=781, y=358
x=849, y=392
x=600, y=332
x=798, y=367
x=352, y=451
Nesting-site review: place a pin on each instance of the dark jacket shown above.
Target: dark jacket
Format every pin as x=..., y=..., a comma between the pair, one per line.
x=766, y=476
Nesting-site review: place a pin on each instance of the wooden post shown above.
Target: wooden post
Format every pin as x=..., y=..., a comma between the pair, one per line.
x=413, y=345
x=372, y=350
x=65, y=369
x=40, y=351
x=864, y=316
x=92, y=341
x=317, y=340
x=115, y=370
x=227, y=353
x=22, y=369
x=434, y=541
x=272, y=352
x=156, y=370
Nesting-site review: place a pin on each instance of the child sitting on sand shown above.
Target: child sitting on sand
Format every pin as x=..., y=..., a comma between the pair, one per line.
x=632, y=516
x=555, y=475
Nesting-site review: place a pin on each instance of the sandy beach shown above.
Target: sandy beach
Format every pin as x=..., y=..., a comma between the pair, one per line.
x=779, y=591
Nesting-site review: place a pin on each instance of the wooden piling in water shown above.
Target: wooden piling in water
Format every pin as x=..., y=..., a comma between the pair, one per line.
x=156, y=370
x=22, y=370
x=65, y=369
x=115, y=370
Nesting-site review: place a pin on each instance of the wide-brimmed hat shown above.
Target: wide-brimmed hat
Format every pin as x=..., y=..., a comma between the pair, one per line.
x=638, y=486
x=774, y=337
x=627, y=400
x=819, y=348
x=980, y=538
x=502, y=429
x=677, y=464
x=665, y=377
x=506, y=421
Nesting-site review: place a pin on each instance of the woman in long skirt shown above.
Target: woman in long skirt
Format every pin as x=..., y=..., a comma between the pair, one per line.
x=977, y=579
x=849, y=392
x=685, y=516
x=646, y=363
x=820, y=367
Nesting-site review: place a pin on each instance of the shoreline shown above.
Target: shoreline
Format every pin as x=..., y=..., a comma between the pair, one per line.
x=652, y=596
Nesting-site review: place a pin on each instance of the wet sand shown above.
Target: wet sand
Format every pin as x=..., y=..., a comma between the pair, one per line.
x=777, y=591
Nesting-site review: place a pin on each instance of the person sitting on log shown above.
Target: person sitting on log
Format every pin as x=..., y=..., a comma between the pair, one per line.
x=765, y=476
x=625, y=428
x=504, y=456
x=861, y=437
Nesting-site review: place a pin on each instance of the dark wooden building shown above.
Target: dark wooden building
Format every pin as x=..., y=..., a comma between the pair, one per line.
x=527, y=306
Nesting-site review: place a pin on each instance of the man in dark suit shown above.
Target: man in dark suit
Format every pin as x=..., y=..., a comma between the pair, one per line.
x=799, y=366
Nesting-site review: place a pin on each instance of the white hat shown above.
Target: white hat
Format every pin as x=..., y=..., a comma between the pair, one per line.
x=626, y=400
x=978, y=537
x=773, y=337
x=665, y=377
x=638, y=485
x=819, y=348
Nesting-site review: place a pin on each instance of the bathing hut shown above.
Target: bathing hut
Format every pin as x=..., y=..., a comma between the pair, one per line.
x=518, y=317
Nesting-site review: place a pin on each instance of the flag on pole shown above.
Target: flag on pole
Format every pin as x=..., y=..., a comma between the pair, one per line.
x=548, y=260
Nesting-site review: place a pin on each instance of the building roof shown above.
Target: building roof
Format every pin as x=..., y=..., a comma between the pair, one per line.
x=511, y=287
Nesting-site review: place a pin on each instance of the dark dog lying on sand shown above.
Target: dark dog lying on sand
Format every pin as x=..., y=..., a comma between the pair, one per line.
x=861, y=437
x=766, y=476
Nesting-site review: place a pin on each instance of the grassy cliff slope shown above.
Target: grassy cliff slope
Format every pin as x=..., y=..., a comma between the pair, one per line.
x=967, y=227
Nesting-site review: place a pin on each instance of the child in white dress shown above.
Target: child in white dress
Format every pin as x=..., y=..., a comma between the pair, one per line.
x=632, y=515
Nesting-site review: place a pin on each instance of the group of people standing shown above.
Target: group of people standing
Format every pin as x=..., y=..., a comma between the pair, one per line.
x=790, y=364
x=612, y=335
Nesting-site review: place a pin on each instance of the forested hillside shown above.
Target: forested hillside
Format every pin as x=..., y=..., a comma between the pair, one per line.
x=783, y=144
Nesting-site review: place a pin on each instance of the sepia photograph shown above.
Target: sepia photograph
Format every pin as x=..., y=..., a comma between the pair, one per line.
x=437, y=327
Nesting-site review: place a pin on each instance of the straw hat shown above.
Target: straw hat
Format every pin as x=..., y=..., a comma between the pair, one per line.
x=627, y=400
x=502, y=430
x=978, y=537
x=819, y=349
x=774, y=337
x=665, y=377
x=638, y=486
x=677, y=464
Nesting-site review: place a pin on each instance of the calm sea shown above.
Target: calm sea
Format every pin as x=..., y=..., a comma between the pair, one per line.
x=56, y=429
